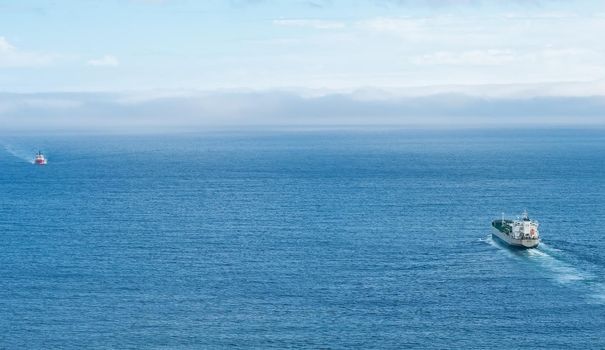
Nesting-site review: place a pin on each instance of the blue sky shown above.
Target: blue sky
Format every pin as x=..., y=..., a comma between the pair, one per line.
x=368, y=49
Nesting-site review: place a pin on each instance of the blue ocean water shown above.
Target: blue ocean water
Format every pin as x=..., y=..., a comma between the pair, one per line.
x=302, y=240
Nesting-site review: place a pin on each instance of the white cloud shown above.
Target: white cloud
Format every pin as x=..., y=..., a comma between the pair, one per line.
x=105, y=61
x=11, y=56
x=44, y=103
x=56, y=103
x=5, y=45
x=493, y=57
x=309, y=23
x=474, y=57
x=398, y=25
x=464, y=49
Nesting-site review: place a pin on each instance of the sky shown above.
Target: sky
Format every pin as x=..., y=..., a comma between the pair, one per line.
x=79, y=63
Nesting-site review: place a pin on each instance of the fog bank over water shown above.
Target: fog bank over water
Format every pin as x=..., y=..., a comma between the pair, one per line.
x=124, y=112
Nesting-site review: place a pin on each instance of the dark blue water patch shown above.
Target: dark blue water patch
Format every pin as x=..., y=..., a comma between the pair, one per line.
x=301, y=240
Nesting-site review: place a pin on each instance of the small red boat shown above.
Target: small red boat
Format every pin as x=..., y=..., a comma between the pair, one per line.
x=40, y=160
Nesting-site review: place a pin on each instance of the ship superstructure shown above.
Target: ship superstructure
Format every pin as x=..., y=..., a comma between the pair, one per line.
x=522, y=233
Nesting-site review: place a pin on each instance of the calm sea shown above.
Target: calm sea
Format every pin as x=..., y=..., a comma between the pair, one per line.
x=302, y=240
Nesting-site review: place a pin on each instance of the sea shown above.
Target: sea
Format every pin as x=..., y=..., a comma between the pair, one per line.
x=302, y=239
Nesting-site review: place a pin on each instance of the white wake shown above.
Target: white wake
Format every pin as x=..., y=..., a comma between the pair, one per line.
x=562, y=272
x=19, y=153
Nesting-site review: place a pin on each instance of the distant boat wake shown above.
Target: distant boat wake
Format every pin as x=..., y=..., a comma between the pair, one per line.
x=19, y=153
x=561, y=271
x=28, y=155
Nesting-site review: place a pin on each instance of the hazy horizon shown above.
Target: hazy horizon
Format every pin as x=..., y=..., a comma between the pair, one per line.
x=140, y=112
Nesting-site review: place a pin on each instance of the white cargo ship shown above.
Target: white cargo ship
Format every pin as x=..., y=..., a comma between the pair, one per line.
x=522, y=233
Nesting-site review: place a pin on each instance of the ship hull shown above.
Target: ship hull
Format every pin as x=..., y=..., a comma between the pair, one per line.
x=518, y=243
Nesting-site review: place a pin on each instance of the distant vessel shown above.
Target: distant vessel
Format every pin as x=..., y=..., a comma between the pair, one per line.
x=40, y=160
x=522, y=233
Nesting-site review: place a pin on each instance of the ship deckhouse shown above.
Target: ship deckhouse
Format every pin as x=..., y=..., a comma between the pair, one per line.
x=522, y=232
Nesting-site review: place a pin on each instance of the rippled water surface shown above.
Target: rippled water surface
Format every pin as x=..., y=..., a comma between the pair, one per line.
x=326, y=239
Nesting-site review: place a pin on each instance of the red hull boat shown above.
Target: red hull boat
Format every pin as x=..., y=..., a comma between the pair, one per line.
x=40, y=160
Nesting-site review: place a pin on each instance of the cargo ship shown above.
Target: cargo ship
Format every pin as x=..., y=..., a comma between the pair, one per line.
x=522, y=233
x=40, y=159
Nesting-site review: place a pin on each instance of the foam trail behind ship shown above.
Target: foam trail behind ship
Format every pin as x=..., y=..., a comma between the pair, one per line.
x=18, y=153
x=560, y=271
